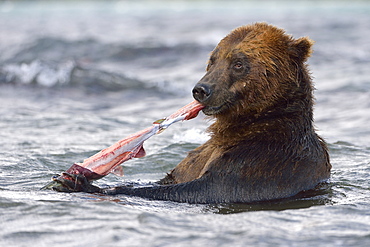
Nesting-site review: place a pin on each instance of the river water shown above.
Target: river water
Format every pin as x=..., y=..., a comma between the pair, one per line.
x=77, y=76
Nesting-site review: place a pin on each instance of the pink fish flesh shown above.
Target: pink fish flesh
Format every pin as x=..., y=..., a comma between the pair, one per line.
x=108, y=160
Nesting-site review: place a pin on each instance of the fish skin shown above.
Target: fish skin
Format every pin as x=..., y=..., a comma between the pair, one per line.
x=130, y=147
x=109, y=159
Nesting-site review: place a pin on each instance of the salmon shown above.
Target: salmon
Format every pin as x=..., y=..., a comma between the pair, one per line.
x=80, y=175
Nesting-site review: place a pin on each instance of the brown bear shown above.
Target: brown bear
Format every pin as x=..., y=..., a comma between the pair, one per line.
x=263, y=144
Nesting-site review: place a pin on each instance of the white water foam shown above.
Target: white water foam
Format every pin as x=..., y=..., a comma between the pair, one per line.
x=192, y=135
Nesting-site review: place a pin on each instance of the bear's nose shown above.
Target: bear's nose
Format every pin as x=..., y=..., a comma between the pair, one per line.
x=201, y=92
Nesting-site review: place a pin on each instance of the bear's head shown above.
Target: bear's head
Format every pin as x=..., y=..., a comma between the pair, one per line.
x=253, y=70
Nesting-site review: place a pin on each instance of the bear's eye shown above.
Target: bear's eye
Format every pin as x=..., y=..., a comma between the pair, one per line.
x=238, y=65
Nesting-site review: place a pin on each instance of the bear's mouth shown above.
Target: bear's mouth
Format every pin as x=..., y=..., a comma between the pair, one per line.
x=214, y=110
x=222, y=108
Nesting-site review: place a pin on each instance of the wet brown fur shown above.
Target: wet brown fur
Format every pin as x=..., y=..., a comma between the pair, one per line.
x=269, y=107
x=263, y=145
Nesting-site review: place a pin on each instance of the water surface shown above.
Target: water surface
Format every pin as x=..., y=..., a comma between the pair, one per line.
x=76, y=77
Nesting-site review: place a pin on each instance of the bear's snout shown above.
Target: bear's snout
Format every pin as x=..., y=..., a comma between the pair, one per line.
x=201, y=92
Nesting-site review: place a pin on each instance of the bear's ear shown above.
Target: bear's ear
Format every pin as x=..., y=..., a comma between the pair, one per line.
x=300, y=49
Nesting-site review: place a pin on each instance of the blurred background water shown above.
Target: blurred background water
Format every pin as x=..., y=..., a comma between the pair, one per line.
x=76, y=76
